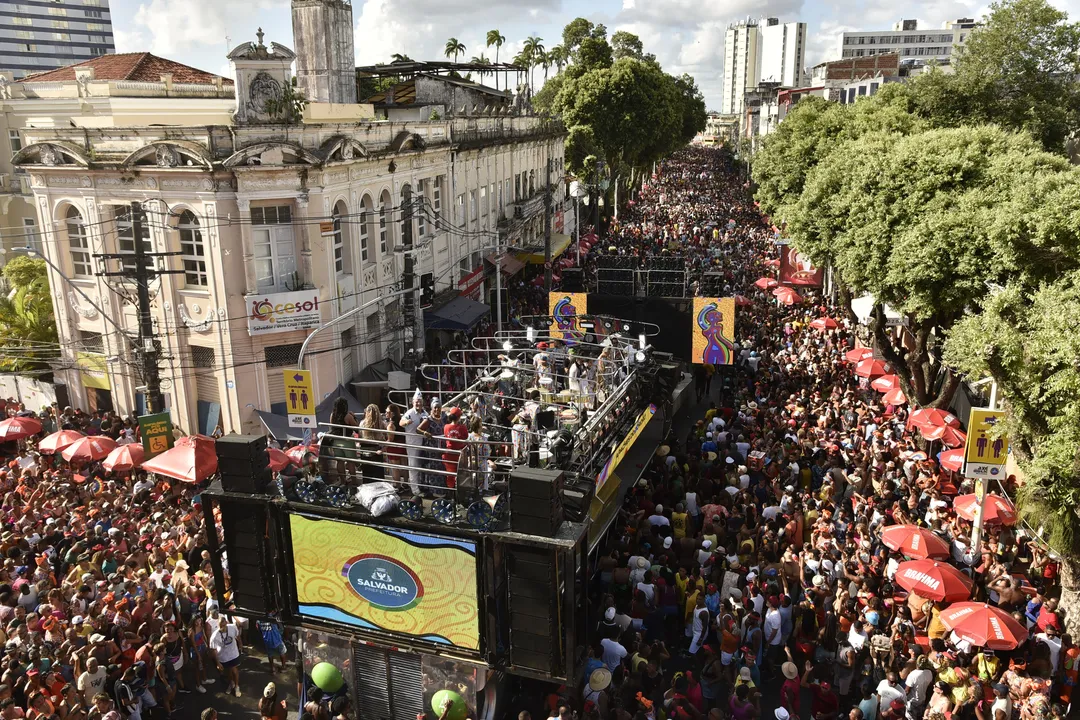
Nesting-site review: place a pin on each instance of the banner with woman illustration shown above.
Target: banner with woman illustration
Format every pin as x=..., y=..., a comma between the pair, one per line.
x=565, y=310
x=713, y=331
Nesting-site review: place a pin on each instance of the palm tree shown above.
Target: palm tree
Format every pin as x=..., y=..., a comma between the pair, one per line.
x=481, y=59
x=546, y=62
x=557, y=57
x=400, y=58
x=494, y=37
x=454, y=47
x=533, y=50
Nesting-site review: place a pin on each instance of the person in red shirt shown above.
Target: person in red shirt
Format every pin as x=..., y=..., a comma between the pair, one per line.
x=1048, y=616
x=454, y=429
x=789, y=691
x=826, y=703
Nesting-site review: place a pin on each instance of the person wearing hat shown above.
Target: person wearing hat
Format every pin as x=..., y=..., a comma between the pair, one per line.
x=790, y=689
x=595, y=689
x=1000, y=709
x=826, y=703
x=270, y=707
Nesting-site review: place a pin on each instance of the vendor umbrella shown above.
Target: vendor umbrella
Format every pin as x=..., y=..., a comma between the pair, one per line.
x=297, y=452
x=19, y=428
x=983, y=625
x=858, y=354
x=95, y=447
x=934, y=580
x=787, y=296
x=124, y=458
x=742, y=301
x=895, y=396
x=57, y=441
x=192, y=460
x=932, y=416
x=764, y=283
x=870, y=368
x=947, y=434
x=775, y=262
x=997, y=509
x=278, y=459
x=885, y=383
x=824, y=323
x=914, y=542
x=952, y=460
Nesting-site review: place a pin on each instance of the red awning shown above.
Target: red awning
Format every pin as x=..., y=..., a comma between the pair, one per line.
x=509, y=264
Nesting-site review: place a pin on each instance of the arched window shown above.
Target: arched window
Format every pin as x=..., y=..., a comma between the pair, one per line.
x=367, y=216
x=192, y=250
x=385, y=208
x=79, y=244
x=342, y=254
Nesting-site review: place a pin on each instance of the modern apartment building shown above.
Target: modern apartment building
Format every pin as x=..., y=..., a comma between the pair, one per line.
x=783, y=52
x=742, y=63
x=908, y=41
x=39, y=35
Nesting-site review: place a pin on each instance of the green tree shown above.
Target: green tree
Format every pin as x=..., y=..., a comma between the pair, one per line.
x=496, y=38
x=1017, y=70
x=627, y=44
x=400, y=58
x=577, y=31
x=533, y=50
x=454, y=47
x=28, y=336
x=557, y=56
x=593, y=53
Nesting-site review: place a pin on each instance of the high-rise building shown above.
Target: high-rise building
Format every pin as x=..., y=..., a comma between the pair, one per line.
x=36, y=36
x=783, y=53
x=742, y=63
x=908, y=41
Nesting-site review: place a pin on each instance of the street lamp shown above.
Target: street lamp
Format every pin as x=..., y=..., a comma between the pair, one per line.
x=578, y=191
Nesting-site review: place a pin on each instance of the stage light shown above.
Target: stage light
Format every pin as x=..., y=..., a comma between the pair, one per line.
x=641, y=341
x=508, y=346
x=640, y=356
x=530, y=333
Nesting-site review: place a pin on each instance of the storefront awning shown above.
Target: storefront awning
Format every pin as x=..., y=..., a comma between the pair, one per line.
x=461, y=314
x=508, y=263
x=559, y=243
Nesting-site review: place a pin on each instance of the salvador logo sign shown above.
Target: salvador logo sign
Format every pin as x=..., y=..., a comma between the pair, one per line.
x=383, y=582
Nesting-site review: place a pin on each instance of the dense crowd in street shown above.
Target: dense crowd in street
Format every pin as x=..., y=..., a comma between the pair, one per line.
x=797, y=552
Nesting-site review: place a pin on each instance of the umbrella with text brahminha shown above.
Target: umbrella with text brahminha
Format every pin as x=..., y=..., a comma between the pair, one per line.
x=997, y=509
x=278, y=459
x=191, y=460
x=57, y=441
x=895, y=396
x=929, y=417
x=19, y=428
x=885, y=383
x=947, y=434
x=824, y=323
x=87, y=449
x=297, y=452
x=935, y=580
x=124, y=458
x=858, y=355
x=952, y=460
x=914, y=542
x=765, y=283
x=870, y=368
x=983, y=625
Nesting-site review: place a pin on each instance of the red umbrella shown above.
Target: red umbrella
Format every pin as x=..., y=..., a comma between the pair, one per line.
x=932, y=416
x=95, y=447
x=57, y=441
x=934, y=580
x=870, y=368
x=914, y=541
x=858, y=354
x=743, y=301
x=952, y=460
x=775, y=262
x=997, y=509
x=947, y=434
x=765, y=283
x=787, y=296
x=192, y=460
x=19, y=428
x=895, y=396
x=984, y=625
x=885, y=383
x=297, y=452
x=824, y=323
x=278, y=460
x=124, y=458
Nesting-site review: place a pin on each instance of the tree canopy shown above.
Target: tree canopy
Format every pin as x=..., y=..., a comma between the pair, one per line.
x=28, y=336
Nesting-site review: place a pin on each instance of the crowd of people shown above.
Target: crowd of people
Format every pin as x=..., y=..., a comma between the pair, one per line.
x=106, y=588
x=756, y=574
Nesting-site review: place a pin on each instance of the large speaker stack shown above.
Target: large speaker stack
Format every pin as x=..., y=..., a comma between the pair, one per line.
x=577, y=496
x=244, y=464
x=536, y=502
x=573, y=280
x=535, y=634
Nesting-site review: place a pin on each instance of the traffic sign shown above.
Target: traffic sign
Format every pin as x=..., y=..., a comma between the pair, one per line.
x=986, y=450
x=300, y=398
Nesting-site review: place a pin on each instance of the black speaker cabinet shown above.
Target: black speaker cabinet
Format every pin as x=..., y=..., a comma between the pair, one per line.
x=532, y=582
x=244, y=527
x=536, y=501
x=244, y=464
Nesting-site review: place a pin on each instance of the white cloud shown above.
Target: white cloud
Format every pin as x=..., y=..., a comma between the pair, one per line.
x=128, y=41
x=177, y=26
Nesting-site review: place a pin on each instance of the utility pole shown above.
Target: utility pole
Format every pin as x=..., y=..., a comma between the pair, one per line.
x=599, y=194
x=141, y=275
x=410, y=306
x=547, y=227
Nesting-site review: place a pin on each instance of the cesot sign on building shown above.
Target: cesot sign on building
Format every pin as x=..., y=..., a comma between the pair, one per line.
x=282, y=312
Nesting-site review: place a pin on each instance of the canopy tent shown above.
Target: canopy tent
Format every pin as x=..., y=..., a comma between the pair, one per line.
x=507, y=262
x=191, y=460
x=864, y=306
x=559, y=243
x=461, y=313
x=377, y=374
x=278, y=425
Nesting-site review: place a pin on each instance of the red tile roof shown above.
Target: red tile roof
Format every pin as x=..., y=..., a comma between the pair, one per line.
x=142, y=67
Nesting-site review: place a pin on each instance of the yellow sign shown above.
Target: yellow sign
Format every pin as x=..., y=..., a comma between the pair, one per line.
x=566, y=310
x=986, y=450
x=713, y=331
x=624, y=447
x=423, y=586
x=93, y=370
x=300, y=398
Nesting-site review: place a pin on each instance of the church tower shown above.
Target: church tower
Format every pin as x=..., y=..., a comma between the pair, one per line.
x=325, y=58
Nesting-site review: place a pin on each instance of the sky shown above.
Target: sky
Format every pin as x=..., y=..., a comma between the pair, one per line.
x=685, y=35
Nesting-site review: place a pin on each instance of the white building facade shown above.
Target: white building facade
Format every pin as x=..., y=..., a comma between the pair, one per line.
x=276, y=227
x=783, y=53
x=907, y=40
x=742, y=64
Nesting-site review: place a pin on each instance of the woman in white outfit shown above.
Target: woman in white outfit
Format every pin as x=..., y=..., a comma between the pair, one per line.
x=414, y=438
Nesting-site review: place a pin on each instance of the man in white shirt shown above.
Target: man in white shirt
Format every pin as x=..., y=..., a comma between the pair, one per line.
x=92, y=680
x=614, y=653
x=890, y=689
x=657, y=518
x=1052, y=640
x=918, y=687
x=226, y=645
x=410, y=421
